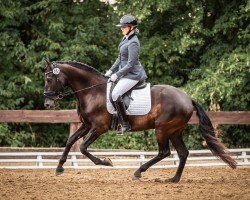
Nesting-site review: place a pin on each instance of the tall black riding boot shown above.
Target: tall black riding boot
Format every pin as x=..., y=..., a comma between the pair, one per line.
x=122, y=116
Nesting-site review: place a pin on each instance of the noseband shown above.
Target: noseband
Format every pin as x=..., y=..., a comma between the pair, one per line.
x=55, y=95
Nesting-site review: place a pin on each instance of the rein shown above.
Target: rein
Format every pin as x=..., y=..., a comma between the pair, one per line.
x=61, y=95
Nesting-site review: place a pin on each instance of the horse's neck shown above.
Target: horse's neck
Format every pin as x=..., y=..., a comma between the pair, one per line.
x=90, y=85
x=79, y=79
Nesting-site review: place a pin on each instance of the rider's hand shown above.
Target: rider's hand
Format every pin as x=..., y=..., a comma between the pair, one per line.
x=113, y=77
x=108, y=73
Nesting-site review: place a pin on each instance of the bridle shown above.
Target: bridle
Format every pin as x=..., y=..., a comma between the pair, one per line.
x=59, y=94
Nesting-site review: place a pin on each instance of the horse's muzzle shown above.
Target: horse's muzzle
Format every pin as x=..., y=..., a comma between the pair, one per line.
x=49, y=103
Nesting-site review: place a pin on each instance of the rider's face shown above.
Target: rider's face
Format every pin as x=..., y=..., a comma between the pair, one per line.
x=125, y=29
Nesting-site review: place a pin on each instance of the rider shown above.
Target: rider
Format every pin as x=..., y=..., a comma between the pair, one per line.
x=127, y=69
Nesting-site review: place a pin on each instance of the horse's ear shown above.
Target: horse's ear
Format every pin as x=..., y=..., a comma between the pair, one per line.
x=47, y=63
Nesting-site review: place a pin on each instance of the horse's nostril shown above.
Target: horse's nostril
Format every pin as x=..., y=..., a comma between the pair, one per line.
x=46, y=105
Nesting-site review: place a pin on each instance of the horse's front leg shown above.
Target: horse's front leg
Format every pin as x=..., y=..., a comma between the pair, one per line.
x=81, y=131
x=90, y=138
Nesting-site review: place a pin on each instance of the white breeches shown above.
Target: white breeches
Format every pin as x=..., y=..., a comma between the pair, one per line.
x=123, y=85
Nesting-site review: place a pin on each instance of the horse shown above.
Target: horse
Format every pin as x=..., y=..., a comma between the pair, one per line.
x=170, y=112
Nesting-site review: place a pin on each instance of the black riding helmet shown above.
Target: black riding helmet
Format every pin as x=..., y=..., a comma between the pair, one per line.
x=127, y=20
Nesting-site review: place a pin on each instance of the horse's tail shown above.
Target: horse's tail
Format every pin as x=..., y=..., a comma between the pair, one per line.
x=208, y=133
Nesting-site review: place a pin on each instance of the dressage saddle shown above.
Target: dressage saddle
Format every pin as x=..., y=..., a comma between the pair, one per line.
x=127, y=96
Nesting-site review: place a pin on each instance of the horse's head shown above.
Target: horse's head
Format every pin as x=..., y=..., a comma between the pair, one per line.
x=55, y=82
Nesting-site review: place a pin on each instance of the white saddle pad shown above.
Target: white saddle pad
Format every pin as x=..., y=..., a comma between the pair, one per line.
x=140, y=104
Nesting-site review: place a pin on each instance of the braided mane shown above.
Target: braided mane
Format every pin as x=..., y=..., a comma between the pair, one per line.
x=82, y=66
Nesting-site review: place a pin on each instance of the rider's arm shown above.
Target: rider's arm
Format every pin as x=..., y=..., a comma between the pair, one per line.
x=116, y=64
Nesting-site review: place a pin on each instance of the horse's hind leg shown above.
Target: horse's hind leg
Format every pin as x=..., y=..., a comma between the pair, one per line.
x=164, y=151
x=182, y=152
x=81, y=131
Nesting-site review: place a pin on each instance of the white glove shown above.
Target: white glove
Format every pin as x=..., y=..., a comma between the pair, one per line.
x=108, y=73
x=113, y=77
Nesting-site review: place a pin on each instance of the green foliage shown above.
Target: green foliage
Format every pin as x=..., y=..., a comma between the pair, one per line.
x=52, y=135
x=20, y=135
x=34, y=30
x=141, y=140
x=4, y=134
x=224, y=65
x=14, y=136
x=199, y=46
x=192, y=138
x=236, y=136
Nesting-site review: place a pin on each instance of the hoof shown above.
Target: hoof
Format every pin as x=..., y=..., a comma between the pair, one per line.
x=59, y=171
x=107, y=162
x=171, y=180
x=137, y=175
x=135, y=178
x=159, y=180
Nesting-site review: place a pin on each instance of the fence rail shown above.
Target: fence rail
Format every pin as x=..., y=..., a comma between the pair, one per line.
x=70, y=116
x=124, y=159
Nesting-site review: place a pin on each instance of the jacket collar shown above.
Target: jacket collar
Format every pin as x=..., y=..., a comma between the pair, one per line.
x=132, y=35
x=126, y=38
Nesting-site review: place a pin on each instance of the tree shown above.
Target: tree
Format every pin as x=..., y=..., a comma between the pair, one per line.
x=199, y=46
x=58, y=30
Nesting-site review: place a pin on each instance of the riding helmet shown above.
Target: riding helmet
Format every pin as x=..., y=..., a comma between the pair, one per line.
x=127, y=20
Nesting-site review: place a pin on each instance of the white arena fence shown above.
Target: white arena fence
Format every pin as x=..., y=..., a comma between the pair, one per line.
x=120, y=159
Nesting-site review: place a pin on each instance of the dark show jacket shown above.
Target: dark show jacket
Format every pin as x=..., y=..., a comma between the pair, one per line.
x=127, y=65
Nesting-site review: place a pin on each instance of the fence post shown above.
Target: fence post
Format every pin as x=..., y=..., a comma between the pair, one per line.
x=39, y=161
x=244, y=155
x=74, y=161
x=176, y=159
x=72, y=130
x=142, y=156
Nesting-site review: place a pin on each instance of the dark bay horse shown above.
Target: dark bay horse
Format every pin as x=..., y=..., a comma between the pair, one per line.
x=170, y=113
